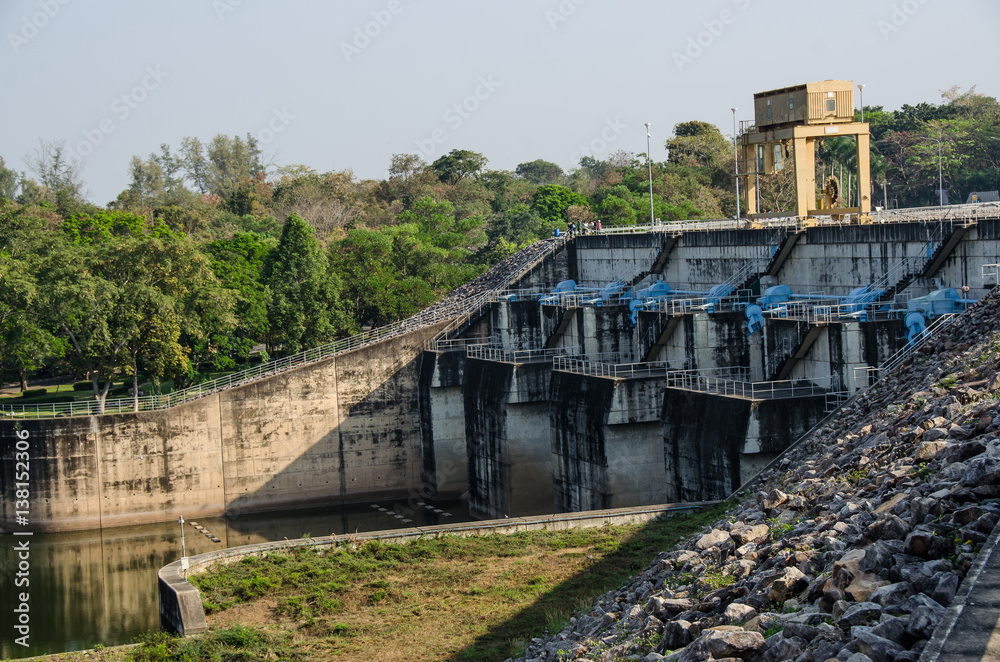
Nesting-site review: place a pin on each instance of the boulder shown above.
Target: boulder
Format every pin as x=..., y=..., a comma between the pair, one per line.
x=791, y=582
x=863, y=585
x=891, y=595
x=859, y=614
x=849, y=561
x=878, y=557
x=733, y=644
x=774, y=499
x=982, y=470
x=946, y=588
x=877, y=648
x=752, y=533
x=738, y=613
x=922, y=622
x=714, y=538
x=929, y=450
x=923, y=542
x=887, y=528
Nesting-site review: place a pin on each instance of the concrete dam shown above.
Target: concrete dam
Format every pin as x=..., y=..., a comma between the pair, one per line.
x=621, y=369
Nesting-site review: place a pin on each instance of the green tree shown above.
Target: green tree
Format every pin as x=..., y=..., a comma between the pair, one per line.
x=223, y=163
x=303, y=309
x=58, y=176
x=8, y=182
x=551, y=201
x=458, y=164
x=540, y=172
x=25, y=343
x=238, y=264
x=699, y=144
x=615, y=211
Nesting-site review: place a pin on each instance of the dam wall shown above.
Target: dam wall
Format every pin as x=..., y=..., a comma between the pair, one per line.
x=399, y=417
x=340, y=430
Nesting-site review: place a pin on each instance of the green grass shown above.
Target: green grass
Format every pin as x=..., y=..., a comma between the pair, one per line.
x=478, y=598
x=231, y=644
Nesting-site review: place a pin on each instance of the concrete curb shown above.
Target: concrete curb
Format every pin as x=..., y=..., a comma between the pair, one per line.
x=932, y=651
x=181, y=609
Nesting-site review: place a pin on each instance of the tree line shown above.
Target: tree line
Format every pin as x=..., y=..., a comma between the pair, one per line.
x=212, y=258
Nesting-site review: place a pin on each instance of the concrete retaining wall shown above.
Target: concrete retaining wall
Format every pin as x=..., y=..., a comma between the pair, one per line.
x=343, y=429
x=180, y=602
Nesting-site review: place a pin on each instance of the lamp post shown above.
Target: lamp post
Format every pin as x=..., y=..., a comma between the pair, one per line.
x=649, y=164
x=736, y=165
x=180, y=520
x=861, y=88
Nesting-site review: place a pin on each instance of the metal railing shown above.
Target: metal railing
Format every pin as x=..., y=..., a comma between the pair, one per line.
x=543, y=355
x=966, y=214
x=990, y=271
x=462, y=309
x=777, y=390
x=582, y=366
x=874, y=374
x=454, y=344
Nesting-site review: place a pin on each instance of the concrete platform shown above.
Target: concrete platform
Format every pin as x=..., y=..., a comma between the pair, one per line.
x=970, y=631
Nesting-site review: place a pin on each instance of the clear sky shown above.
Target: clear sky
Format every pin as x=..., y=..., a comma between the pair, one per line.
x=345, y=85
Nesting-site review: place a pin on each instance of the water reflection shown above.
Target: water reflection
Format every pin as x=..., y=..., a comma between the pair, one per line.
x=99, y=587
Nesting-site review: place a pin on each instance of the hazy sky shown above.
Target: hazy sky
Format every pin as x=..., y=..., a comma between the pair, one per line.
x=345, y=85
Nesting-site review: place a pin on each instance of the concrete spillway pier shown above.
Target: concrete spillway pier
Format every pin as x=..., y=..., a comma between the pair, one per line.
x=480, y=405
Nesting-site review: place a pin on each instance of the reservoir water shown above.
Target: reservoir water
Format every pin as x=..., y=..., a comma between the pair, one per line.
x=99, y=587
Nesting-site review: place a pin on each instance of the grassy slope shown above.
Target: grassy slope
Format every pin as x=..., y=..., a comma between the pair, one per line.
x=448, y=598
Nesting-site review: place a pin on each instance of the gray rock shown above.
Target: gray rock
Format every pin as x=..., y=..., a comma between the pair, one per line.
x=887, y=528
x=893, y=629
x=877, y=648
x=982, y=470
x=859, y=614
x=715, y=538
x=791, y=582
x=738, y=613
x=945, y=591
x=922, y=622
x=878, y=557
x=780, y=647
x=774, y=499
x=934, y=434
x=733, y=644
x=806, y=632
x=892, y=595
x=754, y=533
x=665, y=608
x=677, y=635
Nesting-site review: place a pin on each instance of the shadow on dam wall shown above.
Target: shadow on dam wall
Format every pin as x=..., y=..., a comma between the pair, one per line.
x=345, y=429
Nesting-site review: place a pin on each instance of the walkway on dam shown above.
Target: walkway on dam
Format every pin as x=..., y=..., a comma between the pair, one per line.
x=970, y=631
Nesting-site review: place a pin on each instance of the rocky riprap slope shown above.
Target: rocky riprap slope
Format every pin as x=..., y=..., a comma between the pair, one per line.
x=850, y=549
x=497, y=276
